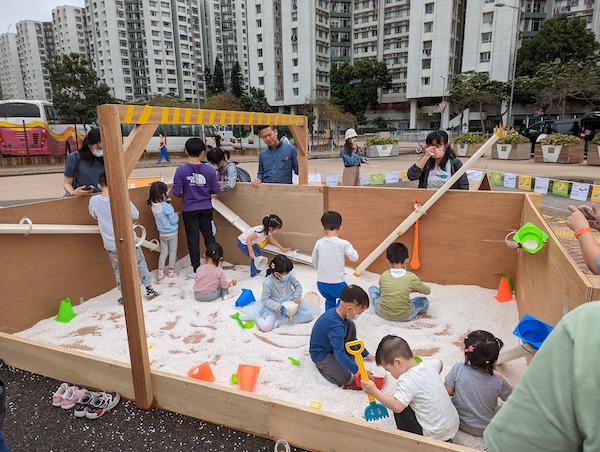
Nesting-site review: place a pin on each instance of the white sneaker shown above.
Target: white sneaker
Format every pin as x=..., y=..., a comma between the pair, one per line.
x=190, y=275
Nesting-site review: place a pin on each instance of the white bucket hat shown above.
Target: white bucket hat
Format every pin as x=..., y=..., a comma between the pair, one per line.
x=350, y=133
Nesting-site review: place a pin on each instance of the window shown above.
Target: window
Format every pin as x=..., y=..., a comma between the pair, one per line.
x=424, y=81
x=259, y=23
x=294, y=77
x=486, y=37
x=260, y=53
x=427, y=48
x=261, y=80
x=296, y=91
x=428, y=8
x=426, y=64
x=428, y=27
x=257, y=9
x=295, y=61
x=484, y=57
x=488, y=18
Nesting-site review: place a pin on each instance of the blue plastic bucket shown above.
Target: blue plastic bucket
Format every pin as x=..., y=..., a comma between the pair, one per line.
x=246, y=297
x=532, y=331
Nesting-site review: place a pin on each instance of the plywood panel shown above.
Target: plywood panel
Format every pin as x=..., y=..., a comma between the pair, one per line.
x=317, y=430
x=549, y=283
x=67, y=365
x=461, y=237
x=299, y=207
x=212, y=403
x=45, y=269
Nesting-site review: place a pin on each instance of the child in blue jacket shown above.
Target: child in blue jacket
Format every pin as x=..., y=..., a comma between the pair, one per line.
x=167, y=224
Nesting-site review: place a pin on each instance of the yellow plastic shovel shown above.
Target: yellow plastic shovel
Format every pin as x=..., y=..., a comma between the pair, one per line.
x=375, y=410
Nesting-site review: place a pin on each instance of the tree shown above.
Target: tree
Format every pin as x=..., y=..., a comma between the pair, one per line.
x=168, y=100
x=560, y=39
x=77, y=91
x=475, y=89
x=355, y=88
x=222, y=101
x=555, y=84
x=255, y=100
x=208, y=82
x=218, y=80
x=237, y=80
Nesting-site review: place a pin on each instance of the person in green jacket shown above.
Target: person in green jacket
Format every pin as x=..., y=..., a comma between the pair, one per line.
x=392, y=298
x=556, y=405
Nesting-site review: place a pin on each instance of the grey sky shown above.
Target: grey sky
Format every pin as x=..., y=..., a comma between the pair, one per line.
x=12, y=11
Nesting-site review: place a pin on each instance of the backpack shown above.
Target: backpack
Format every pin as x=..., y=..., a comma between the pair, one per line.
x=242, y=174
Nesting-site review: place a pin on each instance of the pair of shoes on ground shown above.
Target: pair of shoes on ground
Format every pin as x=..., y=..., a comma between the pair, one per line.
x=150, y=294
x=88, y=404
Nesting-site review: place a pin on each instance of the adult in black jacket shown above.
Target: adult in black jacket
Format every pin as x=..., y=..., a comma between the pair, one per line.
x=438, y=164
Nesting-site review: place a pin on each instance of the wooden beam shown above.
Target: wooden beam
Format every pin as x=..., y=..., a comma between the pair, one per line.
x=136, y=144
x=300, y=134
x=110, y=130
x=132, y=114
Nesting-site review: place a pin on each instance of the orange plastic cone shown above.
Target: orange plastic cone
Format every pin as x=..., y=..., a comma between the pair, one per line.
x=504, y=293
x=247, y=376
x=202, y=372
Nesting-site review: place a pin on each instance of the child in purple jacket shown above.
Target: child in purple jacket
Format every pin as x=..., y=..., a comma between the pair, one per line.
x=195, y=182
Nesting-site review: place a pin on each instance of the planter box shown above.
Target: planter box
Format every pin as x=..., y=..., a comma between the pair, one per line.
x=570, y=153
x=593, y=157
x=512, y=151
x=467, y=150
x=382, y=150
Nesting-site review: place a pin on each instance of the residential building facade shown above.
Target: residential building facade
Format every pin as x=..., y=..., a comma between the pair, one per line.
x=11, y=78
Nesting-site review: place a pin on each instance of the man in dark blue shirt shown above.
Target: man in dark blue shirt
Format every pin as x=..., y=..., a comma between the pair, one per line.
x=277, y=161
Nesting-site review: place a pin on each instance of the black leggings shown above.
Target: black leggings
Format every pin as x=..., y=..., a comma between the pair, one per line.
x=407, y=421
x=196, y=222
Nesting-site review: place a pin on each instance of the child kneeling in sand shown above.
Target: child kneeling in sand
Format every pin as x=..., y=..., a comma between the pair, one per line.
x=280, y=286
x=392, y=298
x=331, y=332
x=420, y=403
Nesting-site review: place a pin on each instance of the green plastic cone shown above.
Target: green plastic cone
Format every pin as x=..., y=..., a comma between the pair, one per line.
x=65, y=311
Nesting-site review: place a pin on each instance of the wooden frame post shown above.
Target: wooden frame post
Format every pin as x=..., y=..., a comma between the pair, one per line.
x=114, y=160
x=300, y=134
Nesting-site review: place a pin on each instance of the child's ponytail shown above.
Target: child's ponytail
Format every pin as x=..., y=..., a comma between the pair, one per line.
x=482, y=349
x=215, y=252
x=271, y=221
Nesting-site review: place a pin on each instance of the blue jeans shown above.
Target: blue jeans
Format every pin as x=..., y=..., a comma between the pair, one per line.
x=331, y=292
x=418, y=304
x=257, y=252
x=162, y=152
x=3, y=446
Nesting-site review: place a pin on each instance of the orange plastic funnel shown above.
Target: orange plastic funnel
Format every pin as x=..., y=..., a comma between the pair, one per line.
x=247, y=376
x=202, y=372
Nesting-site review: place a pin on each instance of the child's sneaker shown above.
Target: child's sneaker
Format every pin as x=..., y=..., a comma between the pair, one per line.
x=102, y=404
x=190, y=275
x=84, y=402
x=58, y=396
x=161, y=275
x=173, y=273
x=120, y=301
x=227, y=296
x=151, y=293
x=71, y=397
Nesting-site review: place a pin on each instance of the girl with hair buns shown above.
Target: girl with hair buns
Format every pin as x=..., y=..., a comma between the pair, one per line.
x=473, y=385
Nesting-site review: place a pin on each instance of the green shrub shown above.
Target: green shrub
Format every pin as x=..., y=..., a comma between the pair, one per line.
x=469, y=138
x=373, y=141
x=557, y=139
x=513, y=139
x=596, y=139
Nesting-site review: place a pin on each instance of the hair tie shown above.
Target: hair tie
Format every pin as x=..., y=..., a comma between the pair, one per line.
x=469, y=349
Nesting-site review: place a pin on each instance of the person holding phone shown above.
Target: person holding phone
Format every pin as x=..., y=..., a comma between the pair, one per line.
x=581, y=221
x=83, y=167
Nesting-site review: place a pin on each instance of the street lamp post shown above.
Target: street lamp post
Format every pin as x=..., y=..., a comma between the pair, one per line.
x=443, y=104
x=509, y=119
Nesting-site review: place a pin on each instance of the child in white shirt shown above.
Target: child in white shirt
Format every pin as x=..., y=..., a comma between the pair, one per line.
x=328, y=257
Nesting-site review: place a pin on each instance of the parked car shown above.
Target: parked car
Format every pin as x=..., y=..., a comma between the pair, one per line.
x=585, y=128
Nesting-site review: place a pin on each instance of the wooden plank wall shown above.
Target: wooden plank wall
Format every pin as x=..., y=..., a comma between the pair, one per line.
x=303, y=427
x=549, y=283
x=461, y=239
